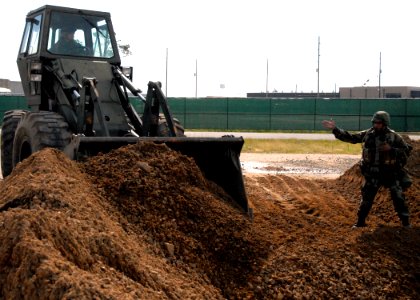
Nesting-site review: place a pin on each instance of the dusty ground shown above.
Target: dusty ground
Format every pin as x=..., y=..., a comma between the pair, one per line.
x=143, y=223
x=302, y=165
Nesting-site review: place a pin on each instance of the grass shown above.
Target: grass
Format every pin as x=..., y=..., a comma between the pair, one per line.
x=256, y=130
x=296, y=146
x=300, y=146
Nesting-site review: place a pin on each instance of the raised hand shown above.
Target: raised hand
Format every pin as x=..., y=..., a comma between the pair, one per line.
x=329, y=124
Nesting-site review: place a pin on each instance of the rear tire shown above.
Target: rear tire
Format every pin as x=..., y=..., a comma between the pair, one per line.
x=39, y=130
x=11, y=120
x=163, y=128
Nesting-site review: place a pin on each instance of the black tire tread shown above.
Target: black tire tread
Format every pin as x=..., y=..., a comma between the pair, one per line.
x=45, y=129
x=163, y=129
x=11, y=120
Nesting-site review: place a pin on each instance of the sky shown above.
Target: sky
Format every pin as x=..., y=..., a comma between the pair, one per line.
x=232, y=43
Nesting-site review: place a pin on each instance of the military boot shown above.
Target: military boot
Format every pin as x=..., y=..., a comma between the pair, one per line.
x=362, y=214
x=360, y=222
x=405, y=221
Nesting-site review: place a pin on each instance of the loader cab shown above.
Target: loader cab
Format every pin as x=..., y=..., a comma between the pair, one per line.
x=48, y=26
x=45, y=41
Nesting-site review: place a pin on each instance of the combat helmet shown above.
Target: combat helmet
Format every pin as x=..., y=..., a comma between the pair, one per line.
x=69, y=28
x=381, y=116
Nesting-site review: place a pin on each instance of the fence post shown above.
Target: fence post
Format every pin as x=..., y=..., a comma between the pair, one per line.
x=227, y=113
x=405, y=117
x=185, y=111
x=360, y=113
x=315, y=114
x=270, y=111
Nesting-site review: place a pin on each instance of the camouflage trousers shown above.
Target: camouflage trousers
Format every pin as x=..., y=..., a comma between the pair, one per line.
x=373, y=181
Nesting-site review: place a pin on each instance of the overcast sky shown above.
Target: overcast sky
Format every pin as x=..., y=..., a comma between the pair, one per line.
x=233, y=40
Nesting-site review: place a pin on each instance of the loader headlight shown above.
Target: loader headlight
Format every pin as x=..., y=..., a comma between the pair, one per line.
x=36, y=66
x=36, y=77
x=35, y=71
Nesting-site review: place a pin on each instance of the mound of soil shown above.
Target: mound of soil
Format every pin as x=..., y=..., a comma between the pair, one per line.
x=142, y=222
x=317, y=255
x=164, y=194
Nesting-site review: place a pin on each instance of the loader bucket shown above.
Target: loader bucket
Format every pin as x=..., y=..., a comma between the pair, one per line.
x=218, y=158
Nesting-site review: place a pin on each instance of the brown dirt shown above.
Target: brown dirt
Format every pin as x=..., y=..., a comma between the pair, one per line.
x=143, y=223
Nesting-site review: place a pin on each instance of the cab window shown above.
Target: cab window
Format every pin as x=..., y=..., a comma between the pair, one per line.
x=30, y=40
x=79, y=35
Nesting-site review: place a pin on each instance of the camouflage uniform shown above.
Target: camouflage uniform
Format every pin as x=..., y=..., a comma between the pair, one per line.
x=381, y=166
x=68, y=45
x=68, y=48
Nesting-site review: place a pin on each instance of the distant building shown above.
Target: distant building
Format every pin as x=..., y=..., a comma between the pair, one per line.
x=15, y=87
x=369, y=92
x=292, y=95
x=359, y=92
x=5, y=90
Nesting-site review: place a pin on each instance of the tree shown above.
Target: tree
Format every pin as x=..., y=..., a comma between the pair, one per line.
x=125, y=49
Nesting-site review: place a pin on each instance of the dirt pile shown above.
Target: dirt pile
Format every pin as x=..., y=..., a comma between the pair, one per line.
x=61, y=240
x=163, y=193
x=142, y=222
x=316, y=254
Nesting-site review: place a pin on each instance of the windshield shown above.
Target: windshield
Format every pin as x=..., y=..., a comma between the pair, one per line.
x=79, y=35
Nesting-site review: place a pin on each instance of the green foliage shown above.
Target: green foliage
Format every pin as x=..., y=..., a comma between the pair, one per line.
x=125, y=49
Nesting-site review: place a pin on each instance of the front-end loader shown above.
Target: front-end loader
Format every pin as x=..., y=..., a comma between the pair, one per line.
x=80, y=100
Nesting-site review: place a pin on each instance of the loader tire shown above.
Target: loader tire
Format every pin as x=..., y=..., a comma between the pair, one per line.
x=11, y=120
x=163, y=129
x=39, y=130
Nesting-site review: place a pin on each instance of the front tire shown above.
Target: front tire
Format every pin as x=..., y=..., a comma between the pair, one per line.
x=11, y=120
x=39, y=130
x=163, y=128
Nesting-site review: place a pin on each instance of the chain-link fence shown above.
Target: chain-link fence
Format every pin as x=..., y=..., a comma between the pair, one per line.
x=265, y=114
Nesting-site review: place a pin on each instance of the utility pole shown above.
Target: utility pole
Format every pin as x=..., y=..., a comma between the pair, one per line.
x=380, y=72
x=196, y=77
x=266, y=82
x=317, y=70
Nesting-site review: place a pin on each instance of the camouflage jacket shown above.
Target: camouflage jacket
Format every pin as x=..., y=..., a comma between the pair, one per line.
x=375, y=151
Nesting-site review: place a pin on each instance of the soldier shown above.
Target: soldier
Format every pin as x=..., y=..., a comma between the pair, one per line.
x=384, y=156
x=67, y=44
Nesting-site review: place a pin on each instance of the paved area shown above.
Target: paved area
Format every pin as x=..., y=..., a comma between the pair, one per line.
x=276, y=135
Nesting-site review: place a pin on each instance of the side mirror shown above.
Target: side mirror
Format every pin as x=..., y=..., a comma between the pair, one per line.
x=32, y=20
x=128, y=72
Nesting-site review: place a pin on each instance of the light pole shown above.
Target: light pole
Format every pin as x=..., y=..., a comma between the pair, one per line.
x=266, y=82
x=196, y=77
x=317, y=70
x=380, y=72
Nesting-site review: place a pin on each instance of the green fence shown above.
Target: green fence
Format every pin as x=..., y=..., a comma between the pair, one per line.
x=265, y=114
x=291, y=114
x=11, y=102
